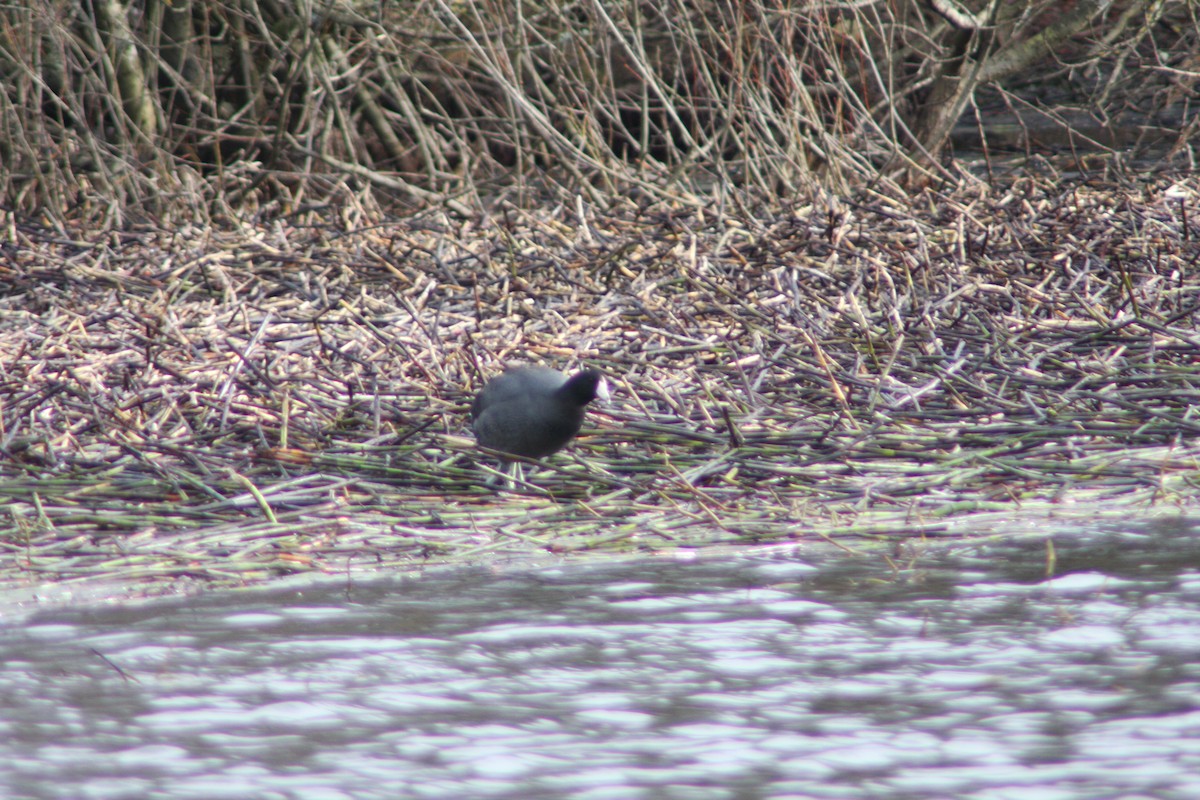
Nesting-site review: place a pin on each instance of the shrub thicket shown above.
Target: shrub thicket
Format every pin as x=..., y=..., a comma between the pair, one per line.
x=213, y=107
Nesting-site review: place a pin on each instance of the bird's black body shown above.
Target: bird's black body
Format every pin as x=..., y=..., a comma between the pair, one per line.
x=533, y=411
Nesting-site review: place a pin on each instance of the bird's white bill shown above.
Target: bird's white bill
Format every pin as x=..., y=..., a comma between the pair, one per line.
x=602, y=390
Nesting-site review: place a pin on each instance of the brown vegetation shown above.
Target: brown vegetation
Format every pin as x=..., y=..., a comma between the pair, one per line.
x=253, y=266
x=248, y=109
x=225, y=406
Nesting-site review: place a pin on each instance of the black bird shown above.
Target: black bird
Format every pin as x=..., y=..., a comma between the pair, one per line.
x=533, y=411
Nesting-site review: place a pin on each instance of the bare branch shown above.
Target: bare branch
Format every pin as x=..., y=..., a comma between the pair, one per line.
x=956, y=15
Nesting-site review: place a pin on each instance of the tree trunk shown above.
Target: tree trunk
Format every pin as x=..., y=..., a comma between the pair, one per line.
x=128, y=75
x=978, y=58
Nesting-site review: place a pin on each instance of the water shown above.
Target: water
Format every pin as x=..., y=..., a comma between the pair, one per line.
x=951, y=672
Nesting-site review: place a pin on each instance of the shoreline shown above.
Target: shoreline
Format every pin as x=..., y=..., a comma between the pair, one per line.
x=227, y=408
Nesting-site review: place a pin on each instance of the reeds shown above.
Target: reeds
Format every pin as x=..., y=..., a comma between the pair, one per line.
x=236, y=109
x=228, y=407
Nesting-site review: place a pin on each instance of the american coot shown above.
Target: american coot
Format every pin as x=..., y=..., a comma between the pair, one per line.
x=533, y=411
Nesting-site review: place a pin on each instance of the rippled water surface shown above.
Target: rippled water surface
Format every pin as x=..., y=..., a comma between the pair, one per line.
x=951, y=672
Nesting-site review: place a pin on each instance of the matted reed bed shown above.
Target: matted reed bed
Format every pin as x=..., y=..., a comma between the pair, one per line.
x=230, y=405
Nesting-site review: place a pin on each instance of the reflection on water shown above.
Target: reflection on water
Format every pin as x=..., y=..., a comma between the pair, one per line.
x=958, y=672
